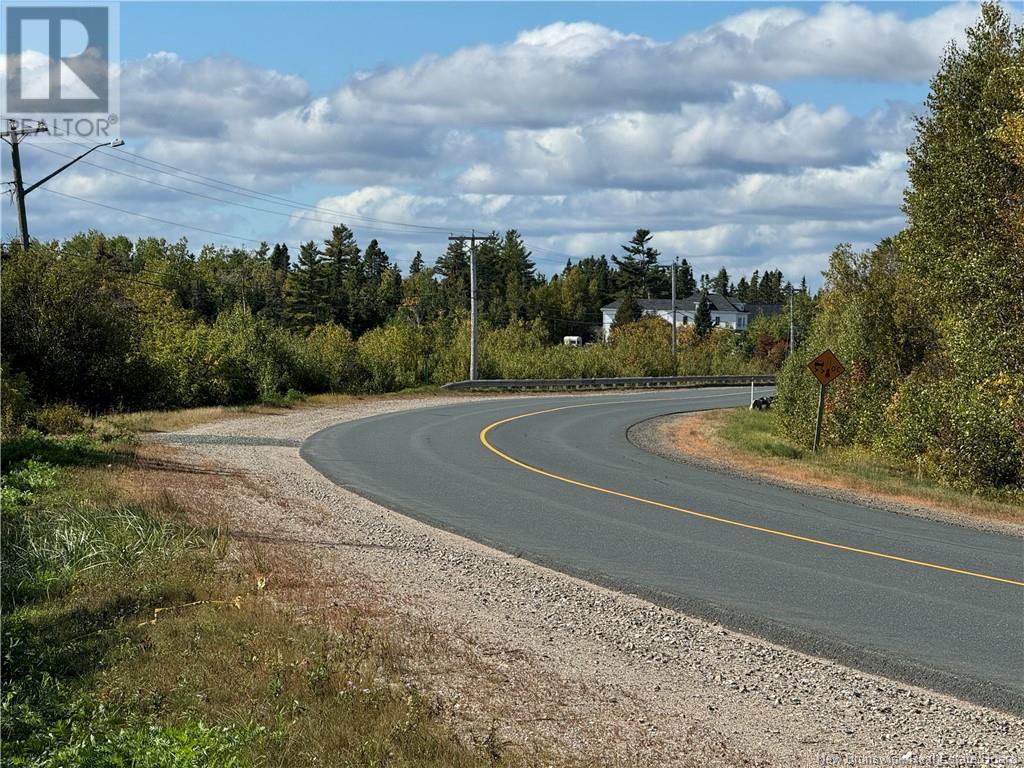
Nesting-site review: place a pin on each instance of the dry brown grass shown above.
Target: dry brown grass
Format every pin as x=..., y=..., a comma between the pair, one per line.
x=186, y=418
x=721, y=437
x=261, y=636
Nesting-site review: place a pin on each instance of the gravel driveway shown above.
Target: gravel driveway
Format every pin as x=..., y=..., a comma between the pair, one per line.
x=571, y=671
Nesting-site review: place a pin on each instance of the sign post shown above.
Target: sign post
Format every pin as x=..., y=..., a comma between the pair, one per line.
x=826, y=369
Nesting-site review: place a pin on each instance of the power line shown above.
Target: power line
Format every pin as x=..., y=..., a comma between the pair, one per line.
x=152, y=218
x=226, y=186
x=211, y=197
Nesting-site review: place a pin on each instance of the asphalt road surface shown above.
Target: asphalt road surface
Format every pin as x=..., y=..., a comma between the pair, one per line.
x=555, y=480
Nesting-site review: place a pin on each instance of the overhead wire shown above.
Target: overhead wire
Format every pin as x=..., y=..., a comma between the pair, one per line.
x=368, y=222
x=225, y=186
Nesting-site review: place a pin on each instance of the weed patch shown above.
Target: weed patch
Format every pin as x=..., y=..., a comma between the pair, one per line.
x=128, y=641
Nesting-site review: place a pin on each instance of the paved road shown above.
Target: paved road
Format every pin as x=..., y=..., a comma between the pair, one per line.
x=558, y=482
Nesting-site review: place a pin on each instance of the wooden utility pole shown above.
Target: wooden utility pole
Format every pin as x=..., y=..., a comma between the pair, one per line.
x=791, y=335
x=675, y=262
x=12, y=136
x=472, y=295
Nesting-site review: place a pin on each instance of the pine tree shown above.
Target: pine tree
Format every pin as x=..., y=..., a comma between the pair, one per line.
x=743, y=290
x=629, y=311
x=417, y=264
x=307, y=288
x=280, y=258
x=453, y=269
x=638, y=269
x=341, y=254
x=720, y=283
x=686, y=285
x=702, y=317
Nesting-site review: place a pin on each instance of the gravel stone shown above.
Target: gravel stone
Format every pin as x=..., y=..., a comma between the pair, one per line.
x=591, y=673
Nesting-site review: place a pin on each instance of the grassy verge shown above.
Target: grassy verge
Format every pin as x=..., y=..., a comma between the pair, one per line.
x=130, y=639
x=749, y=440
x=185, y=418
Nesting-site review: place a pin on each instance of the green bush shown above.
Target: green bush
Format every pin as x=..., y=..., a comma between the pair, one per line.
x=171, y=746
x=331, y=361
x=15, y=405
x=643, y=348
x=395, y=357
x=958, y=433
x=58, y=419
x=448, y=358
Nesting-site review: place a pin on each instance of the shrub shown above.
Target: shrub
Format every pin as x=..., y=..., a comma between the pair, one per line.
x=15, y=405
x=513, y=352
x=58, y=419
x=394, y=357
x=331, y=361
x=448, y=358
x=961, y=434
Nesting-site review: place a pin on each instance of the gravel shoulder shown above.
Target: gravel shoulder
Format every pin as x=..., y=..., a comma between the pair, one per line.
x=569, y=672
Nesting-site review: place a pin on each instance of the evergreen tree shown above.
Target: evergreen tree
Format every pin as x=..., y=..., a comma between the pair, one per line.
x=702, y=317
x=417, y=264
x=375, y=262
x=280, y=258
x=389, y=295
x=686, y=285
x=638, y=268
x=420, y=297
x=601, y=274
x=629, y=311
x=344, y=282
x=307, y=288
x=510, y=274
x=720, y=283
x=743, y=290
x=453, y=269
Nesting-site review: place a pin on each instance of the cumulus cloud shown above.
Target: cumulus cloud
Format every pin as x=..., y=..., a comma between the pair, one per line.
x=574, y=133
x=566, y=71
x=165, y=95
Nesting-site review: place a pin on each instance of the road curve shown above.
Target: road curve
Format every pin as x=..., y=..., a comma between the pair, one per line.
x=554, y=480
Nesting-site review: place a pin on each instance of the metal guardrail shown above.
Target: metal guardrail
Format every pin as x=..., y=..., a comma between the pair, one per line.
x=625, y=382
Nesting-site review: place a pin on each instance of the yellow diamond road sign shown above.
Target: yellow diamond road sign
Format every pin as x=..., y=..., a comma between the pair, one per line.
x=826, y=367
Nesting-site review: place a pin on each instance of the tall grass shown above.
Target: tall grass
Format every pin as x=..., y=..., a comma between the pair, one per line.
x=94, y=675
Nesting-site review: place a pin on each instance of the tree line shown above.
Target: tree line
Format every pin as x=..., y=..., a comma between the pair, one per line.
x=929, y=322
x=107, y=323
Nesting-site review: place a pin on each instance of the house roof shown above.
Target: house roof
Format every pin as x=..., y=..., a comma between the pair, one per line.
x=718, y=303
x=763, y=309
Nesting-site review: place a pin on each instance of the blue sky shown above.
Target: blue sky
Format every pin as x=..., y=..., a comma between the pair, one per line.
x=743, y=134
x=367, y=35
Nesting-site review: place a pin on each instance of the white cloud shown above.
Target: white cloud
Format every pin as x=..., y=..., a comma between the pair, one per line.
x=574, y=133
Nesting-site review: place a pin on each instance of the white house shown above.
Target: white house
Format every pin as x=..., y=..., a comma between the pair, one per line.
x=725, y=312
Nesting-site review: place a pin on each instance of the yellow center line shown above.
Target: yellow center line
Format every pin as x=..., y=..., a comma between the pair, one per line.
x=703, y=515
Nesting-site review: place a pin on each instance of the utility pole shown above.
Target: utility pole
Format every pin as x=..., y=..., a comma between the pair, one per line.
x=675, y=263
x=13, y=136
x=472, y=294
x=790, y=318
